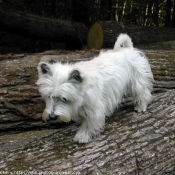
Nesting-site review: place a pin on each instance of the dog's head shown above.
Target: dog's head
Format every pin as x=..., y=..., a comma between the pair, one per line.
x=60, y=86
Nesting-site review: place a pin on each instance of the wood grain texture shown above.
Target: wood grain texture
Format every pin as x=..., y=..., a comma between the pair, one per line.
x=132, y=143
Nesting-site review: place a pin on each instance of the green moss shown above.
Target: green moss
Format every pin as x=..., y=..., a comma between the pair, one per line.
x=27, y=72
x=13, y=76
x=159, y=72
x=171, y=67
x=164, y=68
x=30, y=70
x=171, y=59
x=154, y=56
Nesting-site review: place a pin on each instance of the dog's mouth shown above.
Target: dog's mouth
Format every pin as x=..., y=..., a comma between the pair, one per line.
x=53, y=117
x=60, y=118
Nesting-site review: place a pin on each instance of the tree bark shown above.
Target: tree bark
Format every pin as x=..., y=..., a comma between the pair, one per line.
x=168, y=13
x=20, y=101
x=41, y=27
x=104, y=34
x=156, y=14
x=132, y=143
x=173, y=15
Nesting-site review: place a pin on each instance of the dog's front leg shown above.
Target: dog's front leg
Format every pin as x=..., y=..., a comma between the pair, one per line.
x=89, y=128
x=83, y=135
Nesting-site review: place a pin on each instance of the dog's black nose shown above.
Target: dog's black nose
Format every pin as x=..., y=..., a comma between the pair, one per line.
x=52, y=116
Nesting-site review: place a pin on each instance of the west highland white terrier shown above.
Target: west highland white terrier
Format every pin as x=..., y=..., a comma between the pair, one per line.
x=86, y=92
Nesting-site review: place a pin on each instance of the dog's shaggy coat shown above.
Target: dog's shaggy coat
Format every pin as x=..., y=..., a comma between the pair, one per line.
x=86, y=92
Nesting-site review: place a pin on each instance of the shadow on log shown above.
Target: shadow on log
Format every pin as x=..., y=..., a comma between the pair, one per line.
x=132, y=143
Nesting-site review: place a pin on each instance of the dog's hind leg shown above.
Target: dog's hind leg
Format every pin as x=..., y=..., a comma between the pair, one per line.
x=142, y=99
x=141, y=91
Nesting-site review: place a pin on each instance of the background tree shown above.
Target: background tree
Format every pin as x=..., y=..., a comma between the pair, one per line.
x=142, y=12
x=168, y=13
x=173, y=15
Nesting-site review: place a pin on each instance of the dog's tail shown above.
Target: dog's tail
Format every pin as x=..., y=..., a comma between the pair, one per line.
x=123, y=41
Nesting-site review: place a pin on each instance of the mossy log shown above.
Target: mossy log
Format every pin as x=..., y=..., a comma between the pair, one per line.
x=104, y=34
x=20, y=102
x=132, y=143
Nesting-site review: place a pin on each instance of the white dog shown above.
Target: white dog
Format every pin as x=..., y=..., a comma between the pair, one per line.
x=86, y=92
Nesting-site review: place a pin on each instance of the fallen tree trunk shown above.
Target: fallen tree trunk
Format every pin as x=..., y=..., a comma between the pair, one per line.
x=41, y=27
x=132, y=143
x=21, y=105
x=104, y=34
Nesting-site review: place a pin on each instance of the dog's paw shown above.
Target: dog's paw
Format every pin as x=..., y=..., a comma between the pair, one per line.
x=140, y=108
x=82, y=137
x=45, y=116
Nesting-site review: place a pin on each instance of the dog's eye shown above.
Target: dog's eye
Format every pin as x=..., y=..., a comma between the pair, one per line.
x=55, y=99
x=64, y=100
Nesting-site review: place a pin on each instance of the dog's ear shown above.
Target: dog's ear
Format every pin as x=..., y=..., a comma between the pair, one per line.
x=44, y=68
x=75, y=75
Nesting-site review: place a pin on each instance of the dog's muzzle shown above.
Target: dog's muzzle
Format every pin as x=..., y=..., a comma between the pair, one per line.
x=53, y=116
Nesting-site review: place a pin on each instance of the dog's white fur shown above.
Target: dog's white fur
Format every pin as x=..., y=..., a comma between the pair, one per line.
x=123, y=41
x=86, y=92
